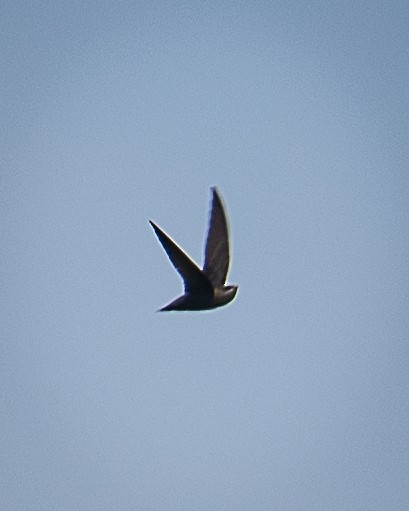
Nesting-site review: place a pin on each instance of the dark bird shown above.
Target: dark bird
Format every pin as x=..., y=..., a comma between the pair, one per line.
x=203, y=289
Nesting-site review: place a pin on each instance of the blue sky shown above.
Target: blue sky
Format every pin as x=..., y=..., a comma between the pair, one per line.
x=295, y=396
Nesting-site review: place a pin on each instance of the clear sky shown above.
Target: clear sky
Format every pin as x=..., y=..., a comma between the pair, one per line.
x=294, y=396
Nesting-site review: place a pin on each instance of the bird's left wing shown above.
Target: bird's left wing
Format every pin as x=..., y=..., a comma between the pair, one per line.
x=195, y=281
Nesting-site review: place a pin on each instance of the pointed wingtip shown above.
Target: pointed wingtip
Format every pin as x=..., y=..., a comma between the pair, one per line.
x=216, y=192
x=154, y=226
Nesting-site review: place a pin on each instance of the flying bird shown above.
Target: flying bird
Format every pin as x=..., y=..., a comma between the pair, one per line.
x=203, y=289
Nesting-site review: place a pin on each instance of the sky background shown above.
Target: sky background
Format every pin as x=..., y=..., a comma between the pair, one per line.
x=295, y=395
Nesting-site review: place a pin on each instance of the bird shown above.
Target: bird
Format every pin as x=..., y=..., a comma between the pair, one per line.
x=204, y=289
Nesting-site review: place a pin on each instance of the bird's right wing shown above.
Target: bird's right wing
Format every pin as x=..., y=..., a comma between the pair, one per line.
x=217, y=257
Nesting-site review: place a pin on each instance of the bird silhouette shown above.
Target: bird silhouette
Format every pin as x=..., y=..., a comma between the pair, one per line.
x=203, y=289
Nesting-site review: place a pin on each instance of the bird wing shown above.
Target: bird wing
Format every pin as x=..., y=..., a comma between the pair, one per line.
x=194, y=279
x=216, y=263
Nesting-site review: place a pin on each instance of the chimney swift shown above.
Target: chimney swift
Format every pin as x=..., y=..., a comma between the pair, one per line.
x=203, y=289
